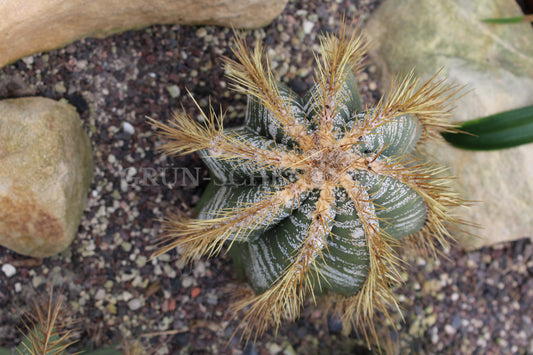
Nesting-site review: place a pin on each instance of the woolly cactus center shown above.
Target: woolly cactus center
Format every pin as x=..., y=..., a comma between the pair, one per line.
x=325, y=165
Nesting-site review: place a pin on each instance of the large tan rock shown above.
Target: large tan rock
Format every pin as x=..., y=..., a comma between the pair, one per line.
x=45, y=171
x=31, y=26
x=495, y=63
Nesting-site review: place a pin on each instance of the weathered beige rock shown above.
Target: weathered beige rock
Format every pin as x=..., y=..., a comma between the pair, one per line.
x=45, y=171
x=31, y=26
x=494, y=62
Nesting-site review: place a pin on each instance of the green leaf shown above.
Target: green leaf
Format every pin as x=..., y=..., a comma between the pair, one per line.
x=508, y=20
x=503, y=130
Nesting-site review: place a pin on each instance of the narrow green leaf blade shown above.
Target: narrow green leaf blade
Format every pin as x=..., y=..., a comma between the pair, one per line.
x=505, y=20
x=503, y=130
x=509, y=20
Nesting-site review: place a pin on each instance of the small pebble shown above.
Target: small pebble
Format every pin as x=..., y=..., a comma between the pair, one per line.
x=187, y=281
x=251, y=349
x=124, y=186
x=201, y=32
x=37, y=281
x=28, y=61
x=126, y=296
x=111, y=159
x=111, y=308
x=18, y=287
x=456, y=322
x=134, y=304
x=100, y=294
x=196, y=292
x=308, y=27
x=448, y=329
x=60, y=87
x=173, y=91
x=274, y=348
x=82, y=64
x=128, y=128
x=126, y=246
x=169, y=271
x=171, y=304
x=199, y=271
x=431, y=320
x=141, y=261
x=9, y=270
x=285, y=37
x=212, y=299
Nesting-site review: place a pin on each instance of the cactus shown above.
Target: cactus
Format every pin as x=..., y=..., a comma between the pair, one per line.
x=47, y=328
x=50, y=329
x=315, y=194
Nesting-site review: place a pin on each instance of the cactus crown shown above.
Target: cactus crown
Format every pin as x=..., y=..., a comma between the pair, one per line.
x=339, y=184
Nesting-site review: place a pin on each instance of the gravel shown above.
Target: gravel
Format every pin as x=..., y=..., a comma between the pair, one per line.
x=464, y=303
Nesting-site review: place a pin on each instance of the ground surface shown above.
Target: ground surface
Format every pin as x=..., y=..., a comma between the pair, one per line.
x=468, y=303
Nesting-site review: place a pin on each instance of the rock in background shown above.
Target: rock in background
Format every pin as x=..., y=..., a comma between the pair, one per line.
x=31, y=26
x=495, y=63
x=46, y=169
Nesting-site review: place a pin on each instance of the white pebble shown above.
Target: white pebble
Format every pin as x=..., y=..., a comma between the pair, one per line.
x=450, y=330
x=134, y=304
x=126, y=296
x=187, y=281
x=308, y=27
x=128, y=128
x=100, y=294
x=201, y=32
x=18, y=287
x=28, y=61
x=174, y=91
x=9, y=270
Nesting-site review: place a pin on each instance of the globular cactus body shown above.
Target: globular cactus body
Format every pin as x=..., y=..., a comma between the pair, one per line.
x=314, y=193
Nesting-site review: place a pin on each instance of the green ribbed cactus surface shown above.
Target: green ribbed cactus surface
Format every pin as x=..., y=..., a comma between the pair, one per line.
x=313, y=194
